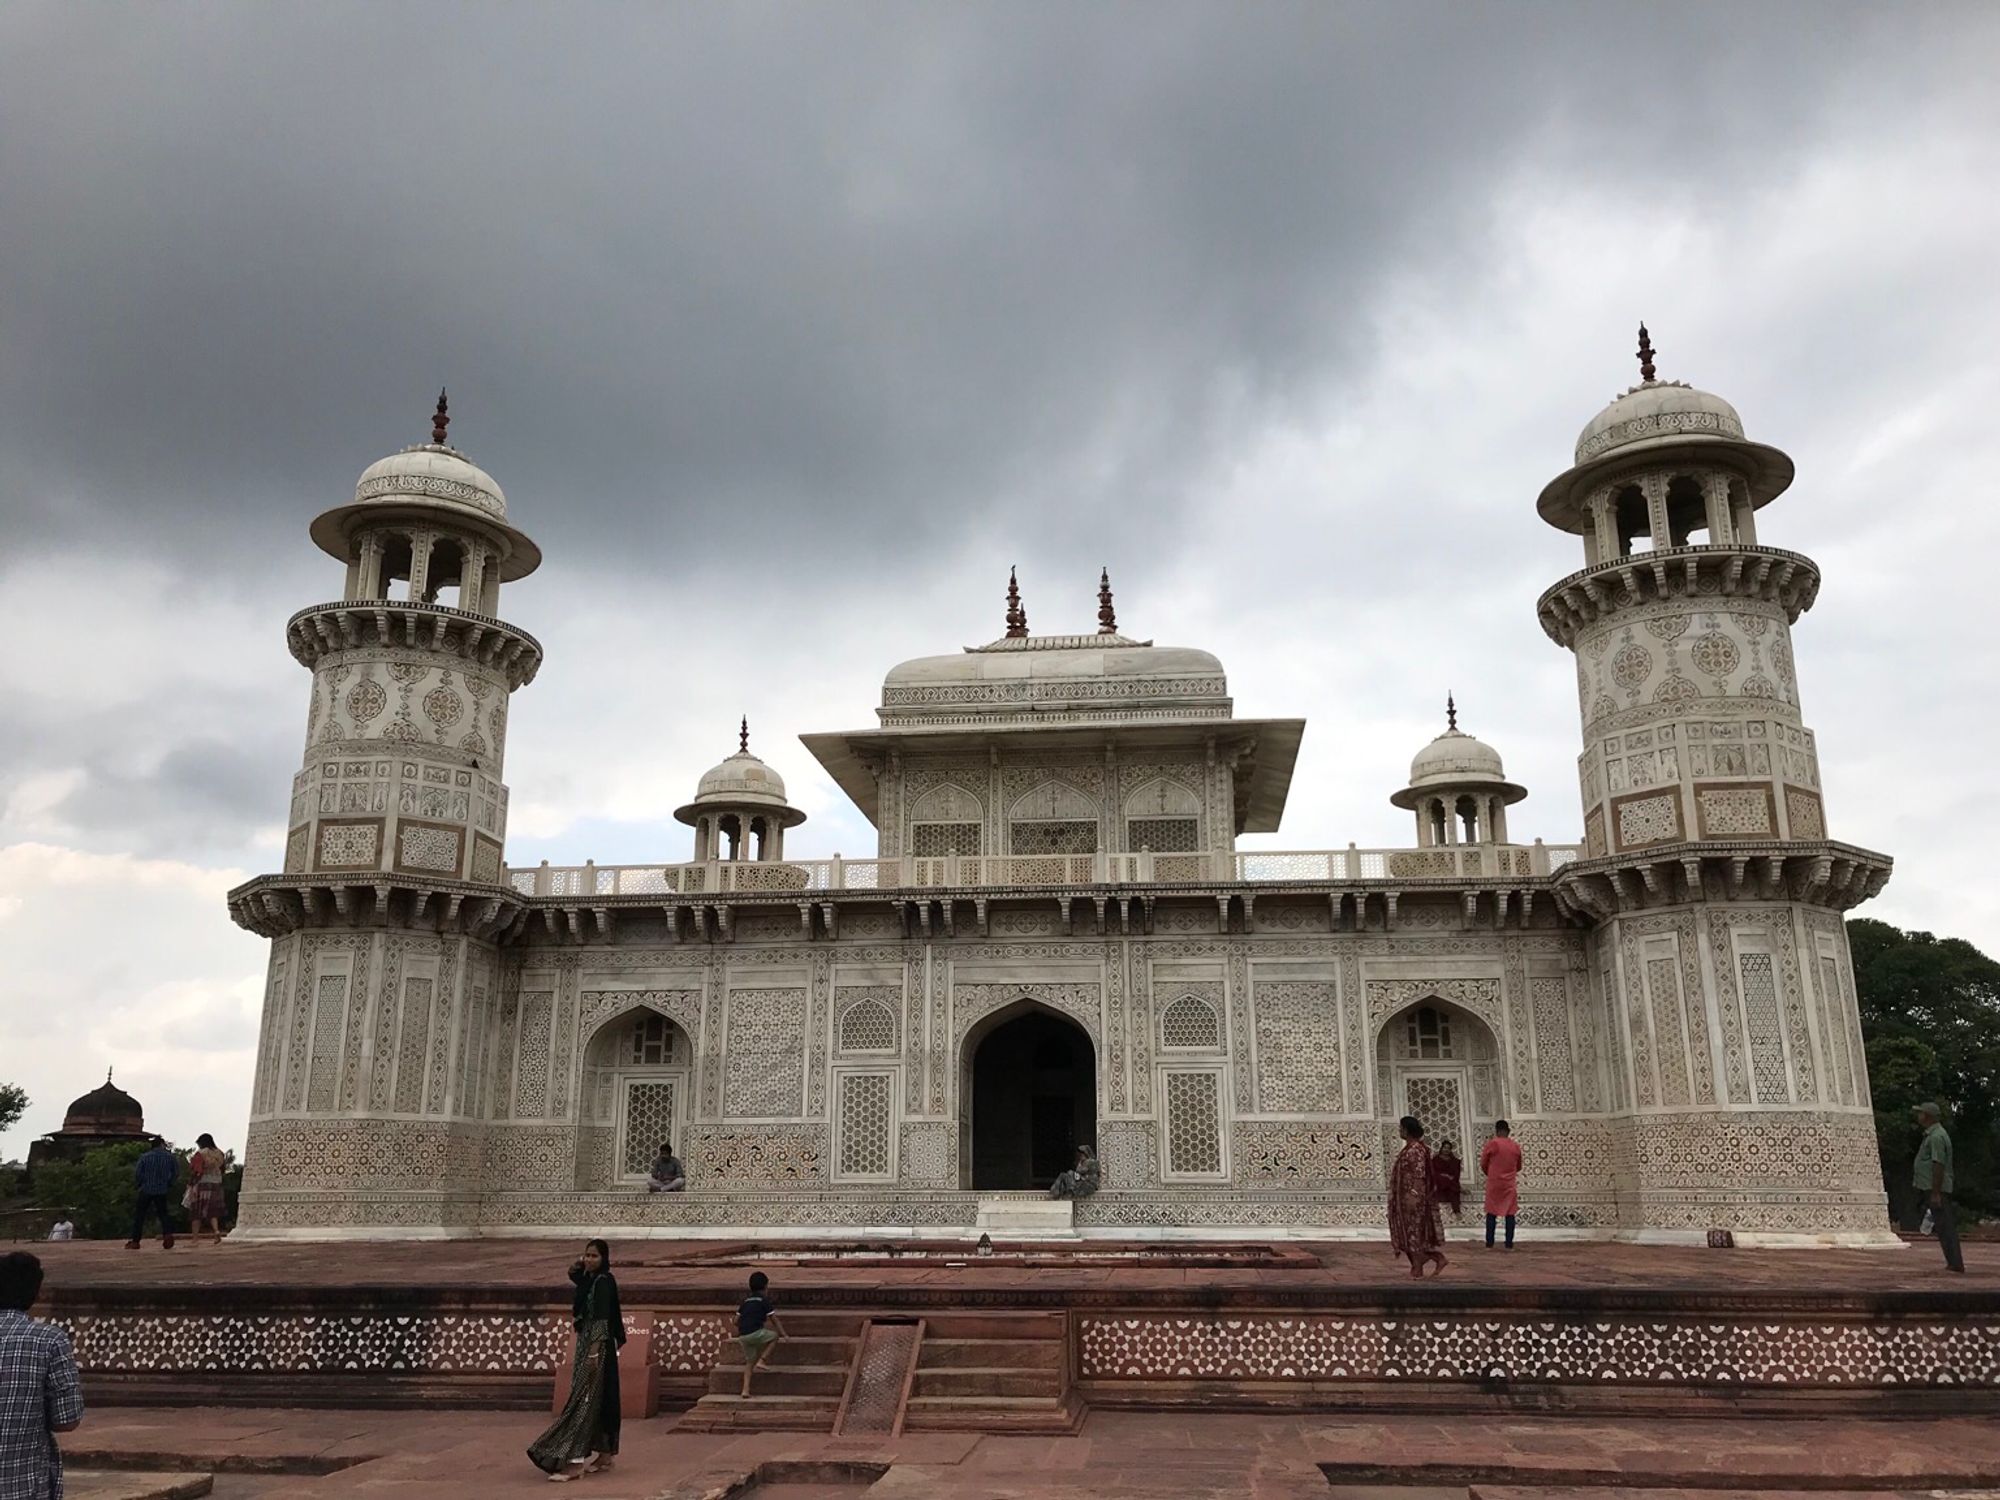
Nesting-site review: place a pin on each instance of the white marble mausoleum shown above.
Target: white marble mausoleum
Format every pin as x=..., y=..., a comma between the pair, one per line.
x=1057, y=940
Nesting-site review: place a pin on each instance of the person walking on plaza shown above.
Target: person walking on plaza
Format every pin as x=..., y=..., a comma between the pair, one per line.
x=667, y=1174
x=204, y=1197
x=1932, y=1179
x=757, y=1326
x=154, y=1174
x=39, y=1393
x=583, y=1439
x=1414, y=1227
x=1500, y=1165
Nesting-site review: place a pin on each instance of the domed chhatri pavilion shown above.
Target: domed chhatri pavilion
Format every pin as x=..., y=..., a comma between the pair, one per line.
x=1057, y=940
x=106, y=1116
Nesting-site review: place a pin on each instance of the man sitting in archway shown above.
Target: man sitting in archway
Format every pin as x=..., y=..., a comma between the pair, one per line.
x=667, y=1174
x=1080, y=1181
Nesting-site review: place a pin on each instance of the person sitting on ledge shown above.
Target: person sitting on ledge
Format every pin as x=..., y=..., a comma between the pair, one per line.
x=667, y=1174
x=1080, y=1181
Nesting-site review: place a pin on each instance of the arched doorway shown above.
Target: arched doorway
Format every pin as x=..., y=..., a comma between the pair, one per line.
x=1441, y=1063
x=1028, y=1091
x=635, y=1094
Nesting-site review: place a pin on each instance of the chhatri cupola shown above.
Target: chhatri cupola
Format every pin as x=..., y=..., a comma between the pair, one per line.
x=1458, y=789
x=106, y=1116
x=739, y=810
x=432, y=520
x=1664, y=465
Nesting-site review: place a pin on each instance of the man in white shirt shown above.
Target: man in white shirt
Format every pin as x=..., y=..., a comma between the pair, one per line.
x=62, y=1229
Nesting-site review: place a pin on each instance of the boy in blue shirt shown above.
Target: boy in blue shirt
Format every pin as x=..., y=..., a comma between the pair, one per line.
x=757, y=1327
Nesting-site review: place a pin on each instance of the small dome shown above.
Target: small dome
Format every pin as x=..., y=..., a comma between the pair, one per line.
x=105, y=1110
x=741, y=778
x=431, y=472
x=1455, y=759
x=742, y=781
x=1456, y=756
x=1657, y=409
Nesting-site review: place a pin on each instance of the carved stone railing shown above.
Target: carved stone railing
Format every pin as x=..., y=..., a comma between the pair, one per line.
x=996, y=871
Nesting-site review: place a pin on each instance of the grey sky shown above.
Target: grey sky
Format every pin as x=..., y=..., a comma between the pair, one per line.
x=788, y=328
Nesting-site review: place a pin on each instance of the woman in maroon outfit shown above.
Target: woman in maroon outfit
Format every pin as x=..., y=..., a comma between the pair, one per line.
x=1414, y=1227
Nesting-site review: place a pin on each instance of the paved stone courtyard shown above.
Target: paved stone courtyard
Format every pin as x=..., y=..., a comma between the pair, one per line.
x=1117, y=1456
x=689, y=1268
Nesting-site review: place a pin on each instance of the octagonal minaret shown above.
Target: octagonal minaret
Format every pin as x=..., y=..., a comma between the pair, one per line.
x=1721, y=957
x=385, y=988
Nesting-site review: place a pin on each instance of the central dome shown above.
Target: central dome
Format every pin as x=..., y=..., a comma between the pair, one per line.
x=1027, y=676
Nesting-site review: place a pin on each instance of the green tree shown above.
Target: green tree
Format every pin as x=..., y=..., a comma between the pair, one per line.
x=1930, y=1019
x=13, y=1104
x=99, y=1190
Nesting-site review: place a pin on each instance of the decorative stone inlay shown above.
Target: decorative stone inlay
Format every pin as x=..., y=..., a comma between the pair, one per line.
x=1728, y=1352
x=348, y=1343
x=1271, y=1153
x=421, y=846
x=1648, y=820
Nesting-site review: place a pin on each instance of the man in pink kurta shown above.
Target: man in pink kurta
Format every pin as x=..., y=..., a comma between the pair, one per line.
x=1500, y=1164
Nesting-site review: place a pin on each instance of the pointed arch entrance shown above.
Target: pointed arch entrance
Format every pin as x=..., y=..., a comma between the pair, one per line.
x=1027, y=1098
x=637, y=1070
x=1439, y=1062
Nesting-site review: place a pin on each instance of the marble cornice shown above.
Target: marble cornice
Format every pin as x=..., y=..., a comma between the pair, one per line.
x=1688, y=574
x=1814, y=872
x=323, y=630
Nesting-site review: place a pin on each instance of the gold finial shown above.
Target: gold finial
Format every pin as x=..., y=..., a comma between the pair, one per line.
x=743, y=736
x=1646, y=372
x=1450, y=714
x=1017, y=615
x=1107, y=619
x=440, y=420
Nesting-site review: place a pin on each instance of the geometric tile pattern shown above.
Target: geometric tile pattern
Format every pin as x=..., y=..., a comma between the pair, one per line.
x=1728, y=1352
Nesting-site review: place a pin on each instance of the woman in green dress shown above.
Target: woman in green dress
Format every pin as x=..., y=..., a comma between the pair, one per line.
x=584, y=1435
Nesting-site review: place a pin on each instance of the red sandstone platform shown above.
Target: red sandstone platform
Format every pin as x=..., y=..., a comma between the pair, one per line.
x=1117, y=1456
x=715, y=1270
x=1033, y=1341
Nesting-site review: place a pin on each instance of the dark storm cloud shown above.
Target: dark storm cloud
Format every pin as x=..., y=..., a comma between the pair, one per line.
x=771, y=277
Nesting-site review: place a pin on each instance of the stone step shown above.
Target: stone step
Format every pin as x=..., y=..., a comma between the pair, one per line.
x=992, y=1354
x=994, y=1325
x=791, y=1351
x=999, y=1414
x=719, y=1413
x=782, y=1380
x=818, y=1324
x=980, y=1383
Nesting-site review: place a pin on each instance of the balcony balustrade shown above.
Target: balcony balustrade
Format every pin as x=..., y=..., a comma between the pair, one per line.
x=993, y=871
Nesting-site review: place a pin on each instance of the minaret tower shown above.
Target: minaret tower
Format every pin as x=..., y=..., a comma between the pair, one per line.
x=1720, y=954
x=384, y=924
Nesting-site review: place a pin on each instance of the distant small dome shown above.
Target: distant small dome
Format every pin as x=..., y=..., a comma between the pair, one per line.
x=431, y=472
x=105, y=1110
x=1457, y=760
x=1657, y=409
x=741, y=778
x=1456, y=756
x=741, y=781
